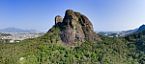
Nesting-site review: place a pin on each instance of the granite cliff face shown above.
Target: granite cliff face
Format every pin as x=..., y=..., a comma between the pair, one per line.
x=75, y=27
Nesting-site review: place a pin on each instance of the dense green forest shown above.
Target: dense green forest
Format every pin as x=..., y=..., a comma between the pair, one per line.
x=49, y=50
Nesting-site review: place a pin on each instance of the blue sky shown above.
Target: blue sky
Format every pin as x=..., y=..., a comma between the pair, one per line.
x=106, y=15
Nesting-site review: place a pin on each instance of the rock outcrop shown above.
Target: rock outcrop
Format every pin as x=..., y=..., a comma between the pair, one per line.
x=75, y=27
x=58, y=19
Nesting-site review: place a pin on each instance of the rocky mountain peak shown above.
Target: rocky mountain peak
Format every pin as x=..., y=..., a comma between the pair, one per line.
x=75, y=27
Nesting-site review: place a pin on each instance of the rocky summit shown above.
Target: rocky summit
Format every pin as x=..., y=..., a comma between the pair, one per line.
x=75, y=27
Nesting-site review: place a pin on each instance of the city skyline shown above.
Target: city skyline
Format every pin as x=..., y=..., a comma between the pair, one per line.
x=106, y=15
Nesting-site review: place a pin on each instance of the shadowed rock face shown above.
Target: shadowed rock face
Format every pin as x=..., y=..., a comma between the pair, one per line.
x=76, y=27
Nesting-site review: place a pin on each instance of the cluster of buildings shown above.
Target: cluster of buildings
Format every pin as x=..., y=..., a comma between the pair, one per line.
x=110, y=34
x=17, y=36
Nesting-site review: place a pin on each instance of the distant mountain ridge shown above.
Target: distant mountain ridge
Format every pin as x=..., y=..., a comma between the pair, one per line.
x=126, y=33
x=12, y=29
x=137, y=35
x=134, y=31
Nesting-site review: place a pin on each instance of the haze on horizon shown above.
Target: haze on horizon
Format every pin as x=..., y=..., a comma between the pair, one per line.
x=106, y=15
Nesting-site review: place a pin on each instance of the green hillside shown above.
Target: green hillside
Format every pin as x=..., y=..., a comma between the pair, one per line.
x=42, y=51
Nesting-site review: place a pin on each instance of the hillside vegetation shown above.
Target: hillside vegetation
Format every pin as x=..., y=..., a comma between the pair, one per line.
x=107, y=51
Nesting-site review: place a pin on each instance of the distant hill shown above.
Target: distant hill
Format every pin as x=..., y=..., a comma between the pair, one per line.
x=128, y=32
x=10, y=29
x=141, y=28
x=119, y=33
x=133, y=31
x=139, y=34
